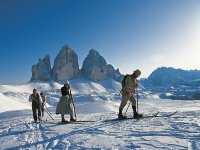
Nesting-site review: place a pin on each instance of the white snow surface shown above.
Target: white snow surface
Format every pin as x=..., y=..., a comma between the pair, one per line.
x=96, y=101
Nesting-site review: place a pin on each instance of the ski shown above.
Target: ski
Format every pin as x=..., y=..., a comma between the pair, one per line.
x=68, y=122
x=85, y=121
x=167, y=115
x=76, y=122
x=151, y=116
x=117, y=119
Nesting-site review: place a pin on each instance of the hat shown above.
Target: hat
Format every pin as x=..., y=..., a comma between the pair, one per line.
x=66, y=82
x=34, y=90
x=137, y=72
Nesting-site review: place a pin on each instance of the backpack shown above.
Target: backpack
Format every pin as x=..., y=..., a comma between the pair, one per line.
x=124, y=80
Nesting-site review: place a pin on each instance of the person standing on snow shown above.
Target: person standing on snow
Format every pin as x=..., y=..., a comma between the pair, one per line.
x=129, y=84
x=43, y=103
x=65, y=105
x=36, y=105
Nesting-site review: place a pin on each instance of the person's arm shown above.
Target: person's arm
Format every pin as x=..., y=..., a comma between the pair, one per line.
x=62, y=90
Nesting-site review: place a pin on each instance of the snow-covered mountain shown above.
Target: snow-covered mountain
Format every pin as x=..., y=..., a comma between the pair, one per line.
x=174, y=83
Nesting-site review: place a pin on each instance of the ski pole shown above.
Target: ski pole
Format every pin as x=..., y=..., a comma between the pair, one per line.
x=49, y=114
x=127, y=109
x=137, y=100
x=47, y=111
x=47, y=108
x=74, y=108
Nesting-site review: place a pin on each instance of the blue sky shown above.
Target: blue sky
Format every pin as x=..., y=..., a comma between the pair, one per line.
x=130, y=34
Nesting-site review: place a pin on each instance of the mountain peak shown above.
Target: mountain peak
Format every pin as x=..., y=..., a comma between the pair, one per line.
x=41, y=70
x=93, y=52
x=66, y=67
x=94, y=66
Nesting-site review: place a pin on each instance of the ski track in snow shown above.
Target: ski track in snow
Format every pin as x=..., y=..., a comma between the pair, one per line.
x=180, y=131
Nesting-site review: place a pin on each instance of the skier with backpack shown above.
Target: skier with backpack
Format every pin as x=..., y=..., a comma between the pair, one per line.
x=129, y=85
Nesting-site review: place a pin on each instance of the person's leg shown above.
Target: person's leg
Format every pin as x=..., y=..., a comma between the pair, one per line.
x=39, y=112
x=63, y=118
x=132, y=100
x=34, y=113
x=135, y=113
x=125, y=98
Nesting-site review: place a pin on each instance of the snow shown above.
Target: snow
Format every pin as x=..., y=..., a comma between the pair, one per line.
x=10, y=104
x=96, y=101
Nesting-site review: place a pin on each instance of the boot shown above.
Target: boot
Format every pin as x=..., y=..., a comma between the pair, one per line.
x=135, y=113
x=72, y=119
x=39, y=119
x=35, y=119
x=63, y=119
x=120, y=116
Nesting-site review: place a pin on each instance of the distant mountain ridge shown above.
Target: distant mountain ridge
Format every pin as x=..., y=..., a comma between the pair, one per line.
x=174, y=83
x=168, y=76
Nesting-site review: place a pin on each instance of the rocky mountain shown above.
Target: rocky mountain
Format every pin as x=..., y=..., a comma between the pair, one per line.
x=41, y=71
x=94, y=66
x=114, y=74
x=65, y=65
x=174, y=83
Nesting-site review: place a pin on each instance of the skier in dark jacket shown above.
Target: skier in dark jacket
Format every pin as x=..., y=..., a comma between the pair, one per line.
x=66, y=94
x=36, y=105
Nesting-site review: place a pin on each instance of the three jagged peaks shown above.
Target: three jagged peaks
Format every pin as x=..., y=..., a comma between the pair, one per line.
x=66, y=67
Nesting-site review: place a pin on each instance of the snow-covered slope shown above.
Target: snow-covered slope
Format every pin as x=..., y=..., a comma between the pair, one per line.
x=7, y=104
x=82, y=89
x=97, y=101
x=178, y=132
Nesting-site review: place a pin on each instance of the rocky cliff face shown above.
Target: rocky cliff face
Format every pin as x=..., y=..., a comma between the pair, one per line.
x=41, y=71
x=94, y=66
x=114, y=74
x=65, y=65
